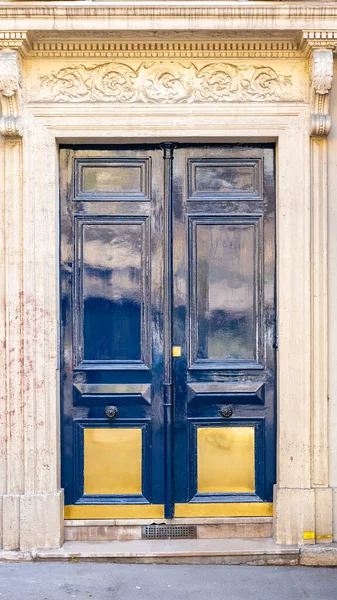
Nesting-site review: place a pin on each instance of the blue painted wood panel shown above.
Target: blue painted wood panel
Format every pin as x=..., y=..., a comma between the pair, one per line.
x=167, y=245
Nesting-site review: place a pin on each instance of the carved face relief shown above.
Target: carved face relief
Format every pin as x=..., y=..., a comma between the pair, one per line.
x=164, y=82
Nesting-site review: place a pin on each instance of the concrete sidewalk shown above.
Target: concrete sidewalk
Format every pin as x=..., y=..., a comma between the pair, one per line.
x=102, y=581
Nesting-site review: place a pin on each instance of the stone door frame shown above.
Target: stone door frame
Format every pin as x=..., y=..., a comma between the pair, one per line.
x=32, y=501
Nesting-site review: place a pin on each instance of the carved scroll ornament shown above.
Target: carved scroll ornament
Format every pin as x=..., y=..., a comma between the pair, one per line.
x=164, y=82
x=10, y=121
x=321, y=83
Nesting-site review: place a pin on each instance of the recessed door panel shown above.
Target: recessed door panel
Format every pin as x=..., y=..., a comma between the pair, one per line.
x=113, y=179
x=111, y=292
x=230, y=446
x=124, y=447
x=224, y=179
x=225, y=291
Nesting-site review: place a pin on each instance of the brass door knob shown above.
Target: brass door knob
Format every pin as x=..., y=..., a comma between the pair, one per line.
x=226, y=411
x=111, y=411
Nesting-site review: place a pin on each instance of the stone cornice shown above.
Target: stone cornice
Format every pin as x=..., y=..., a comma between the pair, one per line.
x=151, y=44
x=270, y=12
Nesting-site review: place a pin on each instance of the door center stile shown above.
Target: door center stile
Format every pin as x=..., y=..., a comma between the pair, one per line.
x=168, y=149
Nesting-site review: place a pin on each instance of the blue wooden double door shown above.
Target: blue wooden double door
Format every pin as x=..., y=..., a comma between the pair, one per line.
x=168, y=330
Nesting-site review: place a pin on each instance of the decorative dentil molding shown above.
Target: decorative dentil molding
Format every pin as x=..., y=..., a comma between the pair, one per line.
x=321, y=84
x=164, y=82
x=10, y=121
x=16, y=40
x=119, y=49
x=315, y=39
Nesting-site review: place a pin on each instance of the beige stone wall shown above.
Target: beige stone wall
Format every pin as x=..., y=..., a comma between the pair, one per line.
x=46, y=113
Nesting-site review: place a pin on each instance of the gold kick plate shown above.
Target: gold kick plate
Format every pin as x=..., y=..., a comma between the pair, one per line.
x=176, y=350
x=156, y=511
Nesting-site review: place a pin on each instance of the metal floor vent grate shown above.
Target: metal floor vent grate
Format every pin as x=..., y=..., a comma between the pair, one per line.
x=168, y=532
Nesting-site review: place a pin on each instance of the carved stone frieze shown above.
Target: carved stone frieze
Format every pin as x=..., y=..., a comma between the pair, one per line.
x=164, y=82
x=321, y=83
x=10, y=121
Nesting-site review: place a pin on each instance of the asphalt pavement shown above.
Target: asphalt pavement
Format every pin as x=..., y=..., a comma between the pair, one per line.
x=107, y=581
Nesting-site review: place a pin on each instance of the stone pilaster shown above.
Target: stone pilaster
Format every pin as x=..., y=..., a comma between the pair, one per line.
x=321, y=83
x=12, y=451
x=305, y=515
x=332, y=288
x=43, y=499
x=31, y=499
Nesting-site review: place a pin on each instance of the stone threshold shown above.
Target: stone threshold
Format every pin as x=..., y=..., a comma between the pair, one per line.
x=214, y=552
x=127, y=530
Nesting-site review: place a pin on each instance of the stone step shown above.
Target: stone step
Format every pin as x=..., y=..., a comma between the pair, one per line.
x=127, y=529
x=198, y=551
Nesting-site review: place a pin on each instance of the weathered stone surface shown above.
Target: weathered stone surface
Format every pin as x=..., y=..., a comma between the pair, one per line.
x=231, y=43
x=319, y=556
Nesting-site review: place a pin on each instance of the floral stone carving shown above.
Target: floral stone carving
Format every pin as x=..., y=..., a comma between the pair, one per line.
x=10, y=121
x=321, y=84
x=164, y=82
